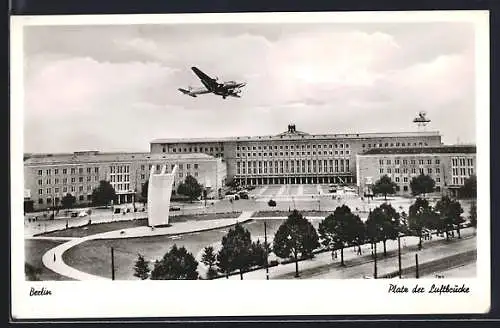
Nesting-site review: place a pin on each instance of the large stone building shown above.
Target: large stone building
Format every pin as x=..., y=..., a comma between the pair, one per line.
x=449, y=166
x=293, y=156
x=48, y=177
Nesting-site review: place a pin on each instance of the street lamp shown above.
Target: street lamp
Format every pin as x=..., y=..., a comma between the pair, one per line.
x=399, y=254
x=289, y=237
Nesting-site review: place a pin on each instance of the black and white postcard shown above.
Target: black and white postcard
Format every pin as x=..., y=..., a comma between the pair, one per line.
x=250, y=164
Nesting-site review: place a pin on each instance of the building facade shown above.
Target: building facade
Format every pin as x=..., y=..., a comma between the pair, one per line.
x=294, y=157
x=48, y=177
x=448, y=166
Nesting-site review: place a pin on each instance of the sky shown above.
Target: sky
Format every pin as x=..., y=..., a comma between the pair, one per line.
x=114, y=88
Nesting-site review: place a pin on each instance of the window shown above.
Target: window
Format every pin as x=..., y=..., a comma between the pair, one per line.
x=65, y=189
x=89, y=170
x=40, y=173
x=56, y=190
x=80, y=179
x=437, y=161
x=48, y=172
x=438, y=170
x=381, y=162
x=49, y=190
x=388, y=162
x=81, y=198
x=381, y=170
x=80, y=170
x=397, y=179
x=40, y=191
x=405, y=188
x=48, y=181
x=73, y=180
x=40, y=182
x=73, y=170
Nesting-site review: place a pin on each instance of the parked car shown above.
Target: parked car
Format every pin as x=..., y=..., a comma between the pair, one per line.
x=175, y=208
x=232, y=197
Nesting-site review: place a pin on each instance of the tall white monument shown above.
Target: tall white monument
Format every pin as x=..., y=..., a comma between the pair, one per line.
x=159, y=192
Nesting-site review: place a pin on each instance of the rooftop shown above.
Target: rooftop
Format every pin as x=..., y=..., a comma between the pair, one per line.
x=96, y=156
x=447, y=149
x=293, y=134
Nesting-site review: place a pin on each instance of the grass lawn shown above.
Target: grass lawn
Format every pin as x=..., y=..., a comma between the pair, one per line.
x=96, y=228
x=94, y=256
x=262, y=214
x=34, y=250
x=118, y=225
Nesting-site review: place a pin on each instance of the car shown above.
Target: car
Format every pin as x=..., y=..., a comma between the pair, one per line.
x=175, y=208
x=82, y=214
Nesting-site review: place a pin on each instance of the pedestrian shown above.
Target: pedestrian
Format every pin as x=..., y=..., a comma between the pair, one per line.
x=54, y=257
x=359, y=250
x=335, y=254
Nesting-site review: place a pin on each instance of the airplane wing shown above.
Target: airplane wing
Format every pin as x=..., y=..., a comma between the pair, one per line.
x=205, y=79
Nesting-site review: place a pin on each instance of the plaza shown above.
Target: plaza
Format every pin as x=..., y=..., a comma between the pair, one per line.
x=83, y=253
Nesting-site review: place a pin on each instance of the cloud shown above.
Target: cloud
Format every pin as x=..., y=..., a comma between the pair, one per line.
x=116, y=87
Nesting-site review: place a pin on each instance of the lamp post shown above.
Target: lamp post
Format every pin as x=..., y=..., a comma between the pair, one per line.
x=265, y=247
x=399, y=254
x=289, y=237
x=375, y=262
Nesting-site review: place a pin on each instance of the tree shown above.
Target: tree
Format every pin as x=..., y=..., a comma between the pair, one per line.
x=258, y=254
x=473, y=215
x=32, y=273
x=384, y=186
x=232, y=183
x=450, y=214
x=190, y=188
x=103, y=194
x=177, y=264
x=383, y=224
x=68, y=201
x=209, y=258
x=339, y=229
x=359, y=232
x=235, y=253
x=141, y=268
x=295, y=237
x=422, y=184
x=421, y=216
x=144, y=192
x=469, y=189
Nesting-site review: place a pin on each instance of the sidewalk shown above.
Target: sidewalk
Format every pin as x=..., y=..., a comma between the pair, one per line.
x=323, y=267
x=53, y=260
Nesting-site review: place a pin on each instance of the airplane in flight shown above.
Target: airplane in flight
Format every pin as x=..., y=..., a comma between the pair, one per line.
x=224, y=89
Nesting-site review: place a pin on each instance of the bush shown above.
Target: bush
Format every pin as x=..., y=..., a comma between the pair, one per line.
x=273, y=263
